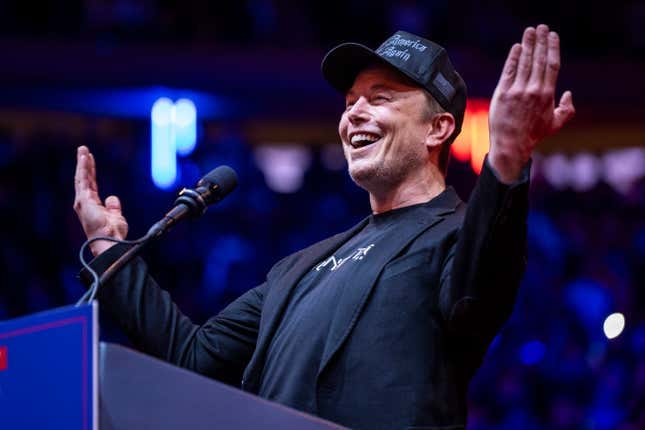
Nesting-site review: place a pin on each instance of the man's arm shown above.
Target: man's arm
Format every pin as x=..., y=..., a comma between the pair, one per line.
x=484, y=268
x=220, y=348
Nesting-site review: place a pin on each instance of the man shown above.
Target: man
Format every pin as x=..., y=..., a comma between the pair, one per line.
x=384, y=325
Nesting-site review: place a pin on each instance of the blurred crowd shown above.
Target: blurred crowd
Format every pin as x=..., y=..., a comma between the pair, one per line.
x=550, y=368
x=590, y=28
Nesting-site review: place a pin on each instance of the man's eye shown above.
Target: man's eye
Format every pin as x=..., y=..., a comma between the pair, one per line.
x=380, y=98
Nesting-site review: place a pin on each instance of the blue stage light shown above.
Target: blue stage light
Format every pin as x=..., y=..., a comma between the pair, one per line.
x=173, y=132
x=163, y=162
x=185, y=126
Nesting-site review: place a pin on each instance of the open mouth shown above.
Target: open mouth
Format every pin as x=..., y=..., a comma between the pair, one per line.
x=360, y=140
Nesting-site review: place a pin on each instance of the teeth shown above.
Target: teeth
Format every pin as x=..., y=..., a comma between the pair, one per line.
x=364, y=138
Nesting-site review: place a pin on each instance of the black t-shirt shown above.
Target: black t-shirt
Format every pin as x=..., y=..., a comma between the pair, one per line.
x=306, y=320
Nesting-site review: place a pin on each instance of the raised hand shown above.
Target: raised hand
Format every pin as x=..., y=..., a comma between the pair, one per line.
x=523, y=111
x=97, y=219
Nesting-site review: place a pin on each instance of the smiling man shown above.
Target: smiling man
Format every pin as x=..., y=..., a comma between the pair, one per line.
x=392, y=135
x=384, y=325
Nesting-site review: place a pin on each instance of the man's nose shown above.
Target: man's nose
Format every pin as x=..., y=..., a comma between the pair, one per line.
x=358, y=112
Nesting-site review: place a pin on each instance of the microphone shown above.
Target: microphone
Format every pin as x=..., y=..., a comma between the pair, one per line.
x=192, y=203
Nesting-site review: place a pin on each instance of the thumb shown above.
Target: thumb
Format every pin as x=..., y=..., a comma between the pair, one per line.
x=564, y=112
x=113, y=204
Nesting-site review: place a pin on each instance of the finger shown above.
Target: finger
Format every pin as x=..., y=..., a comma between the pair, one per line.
x=82, y=178
x=81, y=151
x=564, y=112
x=122, y=228
x=524, y=64
x=113, y=204
x=539, y=56
x=92, y=173
x=552, y=62
x=510, y=67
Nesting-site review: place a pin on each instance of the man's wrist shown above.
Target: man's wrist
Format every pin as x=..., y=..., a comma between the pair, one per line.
x=100, y=246
x=507, y=167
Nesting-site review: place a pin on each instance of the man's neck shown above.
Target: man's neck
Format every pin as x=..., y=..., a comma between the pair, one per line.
x=408, y=193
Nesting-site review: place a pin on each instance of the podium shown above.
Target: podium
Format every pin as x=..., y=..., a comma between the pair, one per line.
x=54, y=374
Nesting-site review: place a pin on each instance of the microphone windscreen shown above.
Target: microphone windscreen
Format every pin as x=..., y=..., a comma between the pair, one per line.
x=224, y=177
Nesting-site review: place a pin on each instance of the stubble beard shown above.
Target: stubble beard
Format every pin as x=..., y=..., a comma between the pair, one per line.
x=377, y=176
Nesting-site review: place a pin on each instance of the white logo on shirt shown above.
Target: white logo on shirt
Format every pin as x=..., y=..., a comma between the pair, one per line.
x=357, y=255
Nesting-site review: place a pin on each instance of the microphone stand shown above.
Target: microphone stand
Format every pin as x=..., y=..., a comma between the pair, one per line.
x=124, y=259
x=213, y=187
x=188, y=200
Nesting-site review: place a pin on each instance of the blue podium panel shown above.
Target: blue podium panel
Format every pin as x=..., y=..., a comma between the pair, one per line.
x=49, y=371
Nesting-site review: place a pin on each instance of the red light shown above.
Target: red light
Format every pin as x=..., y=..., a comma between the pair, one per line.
x=3, y=358
x=473, y=143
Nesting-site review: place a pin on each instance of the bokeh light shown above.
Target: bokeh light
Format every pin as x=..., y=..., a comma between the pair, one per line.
x=163, y=159
x=614, y=325
x=185, y=126
x=532, y=352
x=173, y=132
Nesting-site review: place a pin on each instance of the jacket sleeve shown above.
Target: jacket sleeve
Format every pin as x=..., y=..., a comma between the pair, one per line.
x=483, y=269
x=220, y=348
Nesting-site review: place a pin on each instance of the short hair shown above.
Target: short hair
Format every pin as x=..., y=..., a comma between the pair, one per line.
x=434, y=108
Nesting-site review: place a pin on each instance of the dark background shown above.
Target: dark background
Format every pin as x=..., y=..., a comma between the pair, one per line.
x=87, y=71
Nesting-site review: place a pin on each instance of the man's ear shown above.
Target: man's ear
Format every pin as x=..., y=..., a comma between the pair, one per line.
x=441, y=127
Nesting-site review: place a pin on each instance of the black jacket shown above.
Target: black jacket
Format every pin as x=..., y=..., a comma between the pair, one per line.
x=403, y=344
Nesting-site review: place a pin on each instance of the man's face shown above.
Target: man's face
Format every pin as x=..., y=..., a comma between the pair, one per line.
x=384, y=129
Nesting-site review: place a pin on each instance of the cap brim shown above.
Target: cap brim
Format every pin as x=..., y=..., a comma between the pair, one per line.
x=343, y=63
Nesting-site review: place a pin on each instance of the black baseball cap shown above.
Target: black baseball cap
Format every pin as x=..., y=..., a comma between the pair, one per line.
x=421, y=60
